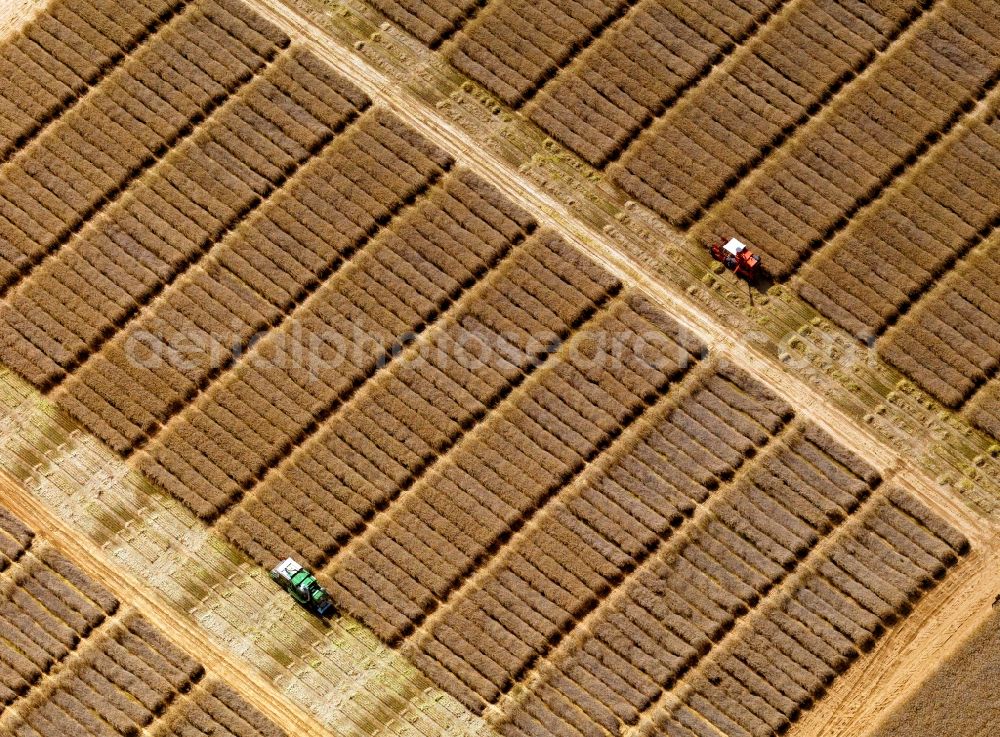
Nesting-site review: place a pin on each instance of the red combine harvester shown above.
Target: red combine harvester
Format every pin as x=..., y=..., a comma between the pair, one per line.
x=737, y=258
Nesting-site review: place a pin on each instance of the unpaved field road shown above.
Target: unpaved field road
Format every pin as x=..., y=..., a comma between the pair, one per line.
x=340, y=679
x=13, y=14
x=126, y=588
x=970, y=671
x=903, y=661
x=800, y=346
x=337, y=676
x=404, y=78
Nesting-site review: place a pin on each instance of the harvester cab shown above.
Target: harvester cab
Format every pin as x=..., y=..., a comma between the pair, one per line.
x=303, y=587
x=736, y=257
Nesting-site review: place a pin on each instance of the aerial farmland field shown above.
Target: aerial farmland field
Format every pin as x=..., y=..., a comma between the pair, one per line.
x=430, y=297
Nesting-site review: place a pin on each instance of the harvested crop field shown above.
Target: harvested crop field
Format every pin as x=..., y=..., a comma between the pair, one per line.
x=425, y=307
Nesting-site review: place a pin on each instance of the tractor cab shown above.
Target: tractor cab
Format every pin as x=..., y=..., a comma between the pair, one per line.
x=738, y=258
x=303, y=587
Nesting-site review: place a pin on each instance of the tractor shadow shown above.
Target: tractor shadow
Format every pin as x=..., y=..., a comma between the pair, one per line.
x=759, y=287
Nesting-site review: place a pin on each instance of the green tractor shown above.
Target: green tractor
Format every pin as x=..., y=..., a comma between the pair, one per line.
x=303, y=587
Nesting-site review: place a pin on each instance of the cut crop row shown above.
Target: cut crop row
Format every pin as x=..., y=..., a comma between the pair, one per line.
x=298, y=375
x=871, y=132
x=380, y=443
x=140, y=111
x=984, y=410
x=15, y=538
x=872, y=272
x=636, y=71
x=58, y=56
x=117, y=686
x=595, y=533
x=218, y=711
x=432, y=21
x=509, y=466
x=703, y=146
x=79, y=298
x=208, y=318
x=513, y=46
x=790, y=653
x=670, y=615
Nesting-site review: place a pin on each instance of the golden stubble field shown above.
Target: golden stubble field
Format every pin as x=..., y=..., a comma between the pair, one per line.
x=618, y=264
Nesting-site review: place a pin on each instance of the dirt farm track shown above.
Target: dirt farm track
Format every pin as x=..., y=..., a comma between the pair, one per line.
x=245, y=245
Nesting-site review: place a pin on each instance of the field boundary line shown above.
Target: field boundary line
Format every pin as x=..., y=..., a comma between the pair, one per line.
x=546, y=362
x=688, y=384
x=633, y=242
x=134, y=180
x=549, y=211
x=922, y=151
x=598, y=456
x=992, y=375
x=40, y=691
x=121, y=188
x=340, y=674
x=96, y=214
x=619, y=17
x=179, y=700
x=183, y=631
x=18, y=563
x=8, y=578
x=942, y=286
x=460, y=24
x=949, y=269
x=48, y=680
x=981, y=531
x=970, y=586
x=543, y=667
